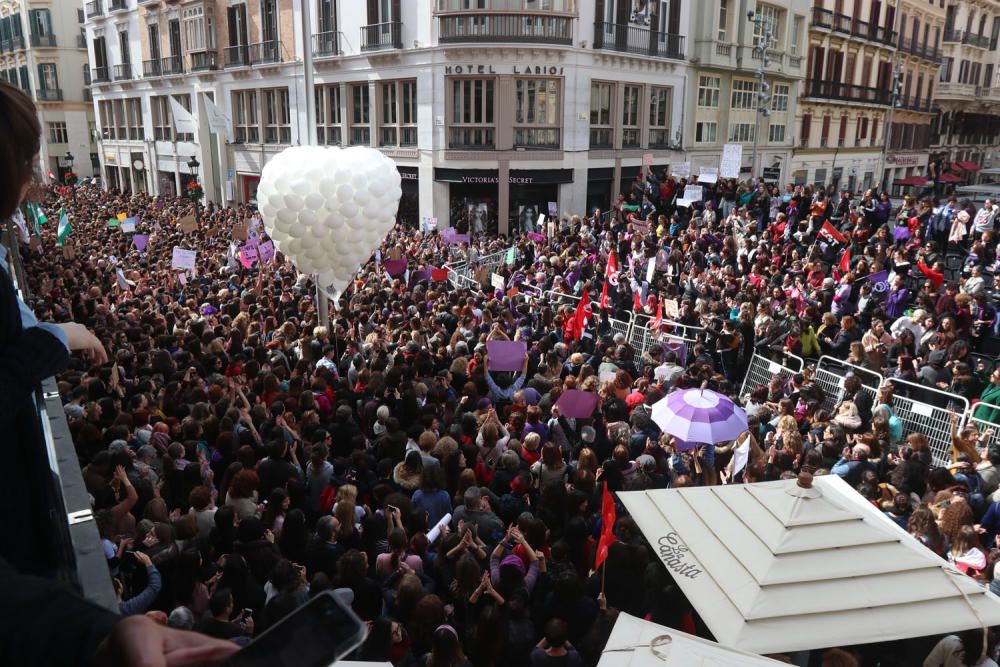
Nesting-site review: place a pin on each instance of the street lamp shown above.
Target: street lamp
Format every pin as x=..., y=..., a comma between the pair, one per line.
x=763, y=89
x=193, y=165
x=68, y=176
x=896, y=101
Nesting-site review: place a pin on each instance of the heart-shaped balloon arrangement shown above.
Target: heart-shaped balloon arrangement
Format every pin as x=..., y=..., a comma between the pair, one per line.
x=328, y=209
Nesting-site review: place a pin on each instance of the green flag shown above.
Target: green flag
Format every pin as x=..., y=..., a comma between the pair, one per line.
x=114, y=222
x=64, y=227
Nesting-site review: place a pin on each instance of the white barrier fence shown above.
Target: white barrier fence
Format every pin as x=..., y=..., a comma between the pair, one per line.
x=927, y=410
x=830, y=374
x=762, y=370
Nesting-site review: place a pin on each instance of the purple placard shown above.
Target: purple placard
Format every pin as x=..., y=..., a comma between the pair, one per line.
x=266, y=250
x=140, y=241
x=535, y=236
x=679, y=347
x=507, y=355
x=395, y=267
x=577, y=404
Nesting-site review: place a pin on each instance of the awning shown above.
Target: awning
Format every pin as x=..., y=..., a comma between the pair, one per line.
x=911, y=180
x=949, y=177
x=638, y=643
x=803, y=564
x=965, y=165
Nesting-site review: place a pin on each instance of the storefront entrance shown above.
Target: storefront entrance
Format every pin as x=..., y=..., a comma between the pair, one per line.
x=527, y=202
x=472, y=208
x=409, y=204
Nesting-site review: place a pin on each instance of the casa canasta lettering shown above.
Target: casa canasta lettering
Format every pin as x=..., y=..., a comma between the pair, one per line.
x=674, y=554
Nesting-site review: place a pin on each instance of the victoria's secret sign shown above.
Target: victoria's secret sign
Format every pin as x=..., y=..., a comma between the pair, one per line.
x=551, y=70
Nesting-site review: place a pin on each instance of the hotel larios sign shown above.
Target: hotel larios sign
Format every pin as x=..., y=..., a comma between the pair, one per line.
x=551, y=70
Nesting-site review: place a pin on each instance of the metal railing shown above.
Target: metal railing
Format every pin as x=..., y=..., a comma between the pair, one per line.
x=523, y=28
x=171, y=65
x=851, y=25
x=848, y=92
x=928, y=411
x=49, y=94
x=380, y=36
x=325, y=44
x=202, y=61
x=762, y=370
x=123, y=72
x=830, y=374
x=237, y=56
x=637, y=40
x=151, y=68
x=75, y=550
x=978, y=41
x=99, y=75
x=117, y=5
x=265, y=52
x=925, y=51
x=94, y=8
x=913, y=103
x=952, y=36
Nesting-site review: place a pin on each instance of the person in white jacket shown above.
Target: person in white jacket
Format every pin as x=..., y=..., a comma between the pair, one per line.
x=951, y=651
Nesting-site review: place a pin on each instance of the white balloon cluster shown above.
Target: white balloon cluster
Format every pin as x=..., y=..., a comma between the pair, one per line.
x=328, y=209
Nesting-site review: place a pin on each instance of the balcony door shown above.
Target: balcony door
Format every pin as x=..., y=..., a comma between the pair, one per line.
x=124, y=48
x=269, y=21
x=237, y=25
x=100, y=55
x=153, y=31
x=174, y=28
x=327, y=15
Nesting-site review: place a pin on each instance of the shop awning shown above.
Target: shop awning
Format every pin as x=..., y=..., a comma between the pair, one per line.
x=949, y=177
x=803, y=564
x=911, y=180
x=638, y=643
x=965, y=165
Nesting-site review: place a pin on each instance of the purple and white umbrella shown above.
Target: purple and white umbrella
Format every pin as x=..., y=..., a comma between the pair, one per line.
x=700, y=416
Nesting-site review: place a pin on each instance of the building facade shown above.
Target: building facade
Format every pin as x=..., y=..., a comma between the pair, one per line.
x=842, y=119
x=43, y=52
x=494, y=114
x=967, y=98
x=727, y=69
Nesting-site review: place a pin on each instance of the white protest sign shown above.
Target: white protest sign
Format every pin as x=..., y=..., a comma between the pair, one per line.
x=128, y=226
x=183, y=259
x=650, y=269
x=497, y=281
x=732, y=159
x=692, y=193
x=647, y=159
x=708, y=175
x=680, y=169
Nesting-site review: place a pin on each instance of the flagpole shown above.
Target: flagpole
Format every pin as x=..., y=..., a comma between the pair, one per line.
x=604, y=571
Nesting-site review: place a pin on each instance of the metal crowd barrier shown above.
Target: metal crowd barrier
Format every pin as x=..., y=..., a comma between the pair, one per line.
x=830, y=373
x=927, y=410
x=978, y=417
x=762, y=370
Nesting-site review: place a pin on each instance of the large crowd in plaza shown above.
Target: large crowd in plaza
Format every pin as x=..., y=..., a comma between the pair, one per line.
x=242, y=455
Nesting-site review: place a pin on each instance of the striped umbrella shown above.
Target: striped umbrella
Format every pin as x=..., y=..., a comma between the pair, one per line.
x=700, y=415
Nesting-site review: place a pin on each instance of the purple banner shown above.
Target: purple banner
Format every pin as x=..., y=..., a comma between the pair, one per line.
x=507, y=355
x=577, y=404
x=535, y=236
x=395, y=267
x=140, y=241
x=266, y=250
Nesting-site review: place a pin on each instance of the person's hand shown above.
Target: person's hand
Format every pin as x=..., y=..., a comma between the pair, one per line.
x=138, y=640
x=247, y=624
x=80, y=339
x=119, y=474
x=404, y=567
x=269, y=536
x=142, y=558
x=602, y=601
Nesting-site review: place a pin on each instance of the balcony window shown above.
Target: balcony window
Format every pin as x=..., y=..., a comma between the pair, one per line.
x=107, y=117
x=185, y=102
x=744, y=96
x=48, y=77
x=360, y=115
x=600, y=115
x=329, y=117
x=779, y=97
x=163, y=128
x=199, y=28
x=723, y=25
x=121, y=123
x=133, y=114
x=741, y=132
x=705, y=132
x=776, y=134
x=472, y=121
x=659, y=117
x=768, y=19
x=58, y=134
x=398, y=126
x=277, y=118
x=708, y=92
x=537, y=110
x=246, y=121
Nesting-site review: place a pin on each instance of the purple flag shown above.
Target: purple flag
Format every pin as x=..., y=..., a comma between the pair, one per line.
x=422, y=274
x=535, y=236
x=577, y=404
x=507, y=355
x=395, y=267
x=880, y=281
x=901, y=232
x=140, y=241
x=678, y=347
x=266, y=250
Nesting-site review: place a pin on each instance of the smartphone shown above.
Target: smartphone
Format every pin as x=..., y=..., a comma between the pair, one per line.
x=317, y=634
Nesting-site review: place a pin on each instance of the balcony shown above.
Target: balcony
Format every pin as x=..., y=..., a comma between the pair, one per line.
x=518, y=28
x=948, y=89
x=262, y=53
x=117, y=6
x=637, y=40
x=204, y=61
x=382, y=36
x=912, y=103
x=927, y=52
x=81, y=41
x=825, y=19
x=49, y=94
x=471, y=138
x=17, y=42
x=99, y=75
x=94, y=8
x=123, y=72
x=42, y=40
x=171, y=65
x=978, y=41
x=847, y=92
x=151, y=68
x=724, y=50
x=601, y=138
x=952, y=36
x=327, y=44
x=237, y=56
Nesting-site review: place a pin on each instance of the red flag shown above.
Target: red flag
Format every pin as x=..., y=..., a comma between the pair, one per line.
x=636, y=301
x=845, y=262
x=439, y=274
x=607, y=527
x=611, y=272
x=830, y=233
x=658, y=320
x=604, y=297
x=582, y=317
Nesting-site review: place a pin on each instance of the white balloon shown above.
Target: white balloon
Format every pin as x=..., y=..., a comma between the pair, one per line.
x=350, y=211
x=301, y=186
x=287, y=216
x=315, y=201
x=293, y=202
x=342, y=174
x=327, y=186
x=307, y=217
x=345, y=193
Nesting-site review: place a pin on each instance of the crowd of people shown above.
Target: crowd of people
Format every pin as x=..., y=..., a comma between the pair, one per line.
x=242, y=455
